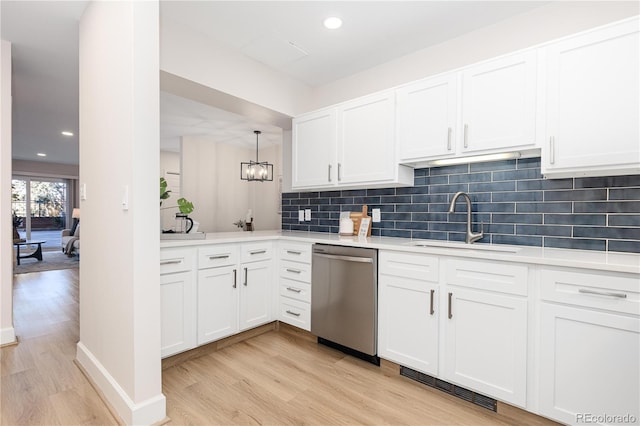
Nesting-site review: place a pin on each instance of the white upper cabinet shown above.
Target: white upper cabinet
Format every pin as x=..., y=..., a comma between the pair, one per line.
x=499, y=103
x=366, y=145
x=592, y=106
x=347, y=146
x=426, y=113
x=314, y=149
x=486, y=108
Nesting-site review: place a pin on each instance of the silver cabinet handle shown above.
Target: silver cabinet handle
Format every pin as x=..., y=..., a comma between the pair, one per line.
x=295, y=314
x=466, y=136
x=245, y=277
x=450, y=314
x=602, y=293
x=235, y=278
x=293, y=271
x=294, y=252
x=295, y=290
x=222, y=256
x=339, y=172
x=257, y=252
x=449, y=139
x=431, y=311
x=171, y=262
x=329, y=168
x=552, y=150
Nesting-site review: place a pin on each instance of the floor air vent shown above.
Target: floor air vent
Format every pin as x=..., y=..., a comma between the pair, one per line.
x=466, y=394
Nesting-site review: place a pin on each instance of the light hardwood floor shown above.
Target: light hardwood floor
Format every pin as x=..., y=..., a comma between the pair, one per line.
x=275, y=378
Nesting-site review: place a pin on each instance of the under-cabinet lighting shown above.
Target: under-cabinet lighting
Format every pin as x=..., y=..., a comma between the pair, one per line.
x=477, y=159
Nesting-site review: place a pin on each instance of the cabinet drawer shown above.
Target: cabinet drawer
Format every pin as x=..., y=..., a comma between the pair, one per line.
x=295, y=290
x=611, y=291
x=487, y=275
x=295, y=271
x=253, y=252
x=295, y=313
x=176, y=260
x=409, y=265
x=295, y=252
x=218, y=255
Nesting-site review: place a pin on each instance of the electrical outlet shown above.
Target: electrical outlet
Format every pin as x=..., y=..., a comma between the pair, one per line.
x=375, y=215
x=300, y=215
x=307, y=215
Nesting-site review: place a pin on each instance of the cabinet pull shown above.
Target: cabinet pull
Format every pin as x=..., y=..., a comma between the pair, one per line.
x=431, y=311
x=295, y=314
x=171, y=262
x=449, y=139
x=222, y=256
x=552, y=150
x=294, y=252
x=450, y=312
x=295, y=290
x=466, y=136
x=329, y=168
x=294, y=271
x=339, y=172
x=245, y=277
x=258, y=252
x=602, y=293
x=235, y=277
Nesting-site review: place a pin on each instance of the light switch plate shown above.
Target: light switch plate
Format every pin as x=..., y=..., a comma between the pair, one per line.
x=375, y=215
x=300, y=215
x=83, y=191
x=307, y=214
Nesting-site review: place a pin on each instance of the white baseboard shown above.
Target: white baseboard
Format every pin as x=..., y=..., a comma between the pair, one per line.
x=148, y=412
x=7, y=336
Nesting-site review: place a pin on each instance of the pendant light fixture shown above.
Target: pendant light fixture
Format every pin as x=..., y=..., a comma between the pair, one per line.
x=256, y=170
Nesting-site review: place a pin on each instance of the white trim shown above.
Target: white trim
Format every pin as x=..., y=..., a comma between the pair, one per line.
x=7, y=336
x=147, y=412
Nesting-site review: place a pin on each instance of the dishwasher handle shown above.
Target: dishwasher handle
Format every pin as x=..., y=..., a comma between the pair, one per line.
x=345, y=258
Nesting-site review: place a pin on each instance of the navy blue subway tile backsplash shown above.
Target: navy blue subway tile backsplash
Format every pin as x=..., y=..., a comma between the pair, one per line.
x=513, y=201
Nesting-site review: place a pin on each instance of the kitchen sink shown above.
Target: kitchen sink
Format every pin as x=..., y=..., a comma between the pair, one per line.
x=464, y=246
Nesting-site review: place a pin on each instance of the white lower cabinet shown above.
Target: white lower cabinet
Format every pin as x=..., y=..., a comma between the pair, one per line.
x=294, y=298
x=177, y=301
x=485, y=330
x=408, y=310
x=234, y=289
x=589, y=348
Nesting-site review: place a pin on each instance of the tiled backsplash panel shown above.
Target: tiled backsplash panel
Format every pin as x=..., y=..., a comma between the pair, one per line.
x=512, y=200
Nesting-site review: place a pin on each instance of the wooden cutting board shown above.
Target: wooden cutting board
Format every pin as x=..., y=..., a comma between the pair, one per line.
x=356, y=217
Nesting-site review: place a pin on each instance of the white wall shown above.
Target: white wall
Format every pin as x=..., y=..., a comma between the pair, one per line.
x=545, y=23
x=7, y=332
x=211, y=181
x=190, y=55
x=119, y=343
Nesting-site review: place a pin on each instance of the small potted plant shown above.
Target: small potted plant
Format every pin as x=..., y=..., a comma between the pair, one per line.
x=17, y=222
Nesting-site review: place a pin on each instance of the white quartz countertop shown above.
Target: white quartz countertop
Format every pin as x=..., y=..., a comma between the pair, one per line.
x=598, y=260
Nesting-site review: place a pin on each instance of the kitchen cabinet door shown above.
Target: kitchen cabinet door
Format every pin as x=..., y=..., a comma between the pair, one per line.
x=256, y=294
x=217, y=303
x=408, y=323
x=177, y=313
x=426, y=114
x=366, y=140
x=588, y=364
x=314, y=150
x=593, y=103
x=486, y=343
x=499, y=104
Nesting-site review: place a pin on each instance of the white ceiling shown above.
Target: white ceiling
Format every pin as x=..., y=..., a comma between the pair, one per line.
x=288, y=36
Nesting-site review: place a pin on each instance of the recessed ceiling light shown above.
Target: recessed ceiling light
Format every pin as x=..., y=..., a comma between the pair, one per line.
x=67, y=133
x=41, y=154
x=333, y=23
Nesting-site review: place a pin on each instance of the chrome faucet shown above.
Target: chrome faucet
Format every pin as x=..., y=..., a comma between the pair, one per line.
x=471, y=236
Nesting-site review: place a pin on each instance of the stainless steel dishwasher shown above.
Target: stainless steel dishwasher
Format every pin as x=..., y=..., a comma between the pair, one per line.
x=344, y=299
